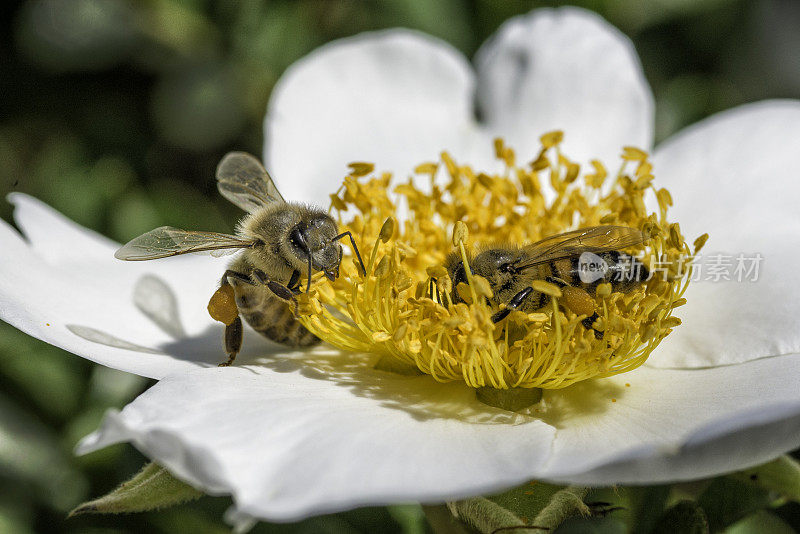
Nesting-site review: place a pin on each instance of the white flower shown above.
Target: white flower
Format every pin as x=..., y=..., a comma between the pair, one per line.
x=294, y=434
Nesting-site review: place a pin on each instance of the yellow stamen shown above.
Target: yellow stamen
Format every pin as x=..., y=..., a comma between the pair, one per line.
x=360, y=168
x=404, y=309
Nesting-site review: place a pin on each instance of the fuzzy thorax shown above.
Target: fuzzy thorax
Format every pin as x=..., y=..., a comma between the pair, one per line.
x=403, y=309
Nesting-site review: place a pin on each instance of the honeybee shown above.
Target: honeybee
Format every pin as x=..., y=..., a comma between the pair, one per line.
x=281, y=241
x=577, y=262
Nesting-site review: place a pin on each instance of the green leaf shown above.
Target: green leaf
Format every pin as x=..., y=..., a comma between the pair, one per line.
x=30, y=453
x=411, y=517
x=591, y=525
x=638, y=507
x=761, y=522
x=781, y=476
x=42, y=372
x=685, y=517
x=646, y=506
x=16, y=513
x=727, y=500
x=151, y=489
x=441, y=521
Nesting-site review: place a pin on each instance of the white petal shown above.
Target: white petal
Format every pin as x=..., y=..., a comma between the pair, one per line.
x=673, y=425
x=297, y=438
x=735, y=176
x=308, y=435
x=64, y=287
x=394, y=98
x=565, y=69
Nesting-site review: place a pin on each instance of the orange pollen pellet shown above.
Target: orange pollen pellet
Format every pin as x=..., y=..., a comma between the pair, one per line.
x=578, y=300
x=222, y=306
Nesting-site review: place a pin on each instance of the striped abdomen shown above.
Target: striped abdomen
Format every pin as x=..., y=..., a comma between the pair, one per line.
x=588, y=270
x=271, y=316
x=621, y=270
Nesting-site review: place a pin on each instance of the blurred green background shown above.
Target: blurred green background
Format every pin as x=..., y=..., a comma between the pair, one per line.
x=116, y=112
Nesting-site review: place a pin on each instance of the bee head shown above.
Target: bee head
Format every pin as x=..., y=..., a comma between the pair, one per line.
x=497, y=266
x=316, y=237
x=458, y=275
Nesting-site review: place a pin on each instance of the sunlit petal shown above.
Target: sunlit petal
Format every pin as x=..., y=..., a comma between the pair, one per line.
x=63, y=285
x=311, y=435
x=565, y=69
x=663, y=425
x=393, y=98
x=734, y=176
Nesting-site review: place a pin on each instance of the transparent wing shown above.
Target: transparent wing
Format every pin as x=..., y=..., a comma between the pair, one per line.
x=168, y=241
x=243, y=180
x=593, y=239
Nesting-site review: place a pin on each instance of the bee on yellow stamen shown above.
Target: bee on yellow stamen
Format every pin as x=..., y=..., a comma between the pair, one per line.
x=415, y=310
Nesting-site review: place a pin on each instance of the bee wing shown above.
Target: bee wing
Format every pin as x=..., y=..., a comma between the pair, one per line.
x=244, y=181
x=168, y=241
x=593, y=239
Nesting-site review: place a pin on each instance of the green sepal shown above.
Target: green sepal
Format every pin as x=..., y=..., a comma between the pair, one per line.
x=533, y=507
x=528, y=500
x=152, y=488
x=780, y=476
x=685, y=517
x=483, y=515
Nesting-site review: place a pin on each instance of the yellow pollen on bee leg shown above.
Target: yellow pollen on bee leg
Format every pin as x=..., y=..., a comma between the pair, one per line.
x=408, y=309
x=222, y=306
x=578, y=300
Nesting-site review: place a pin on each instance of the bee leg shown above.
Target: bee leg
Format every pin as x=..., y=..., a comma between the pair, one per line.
x=233, y=330
x=279, y=290
x=556, y=281
x=513, y=304
x=233, y=341
x=589, y=321
x=294, y=282
x=236, y=275
x=433, y=291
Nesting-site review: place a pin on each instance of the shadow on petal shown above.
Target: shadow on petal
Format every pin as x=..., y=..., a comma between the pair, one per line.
x=104, y=338
x=584, y=399
x=422, y=397
x=157, y=301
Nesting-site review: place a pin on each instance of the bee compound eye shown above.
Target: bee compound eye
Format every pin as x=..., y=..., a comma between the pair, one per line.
x=297, y=239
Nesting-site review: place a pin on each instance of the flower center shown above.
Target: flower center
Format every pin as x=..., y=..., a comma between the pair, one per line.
x=423, y=306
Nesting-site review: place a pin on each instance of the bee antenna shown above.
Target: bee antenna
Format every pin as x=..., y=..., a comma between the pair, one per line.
x=355, y=249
